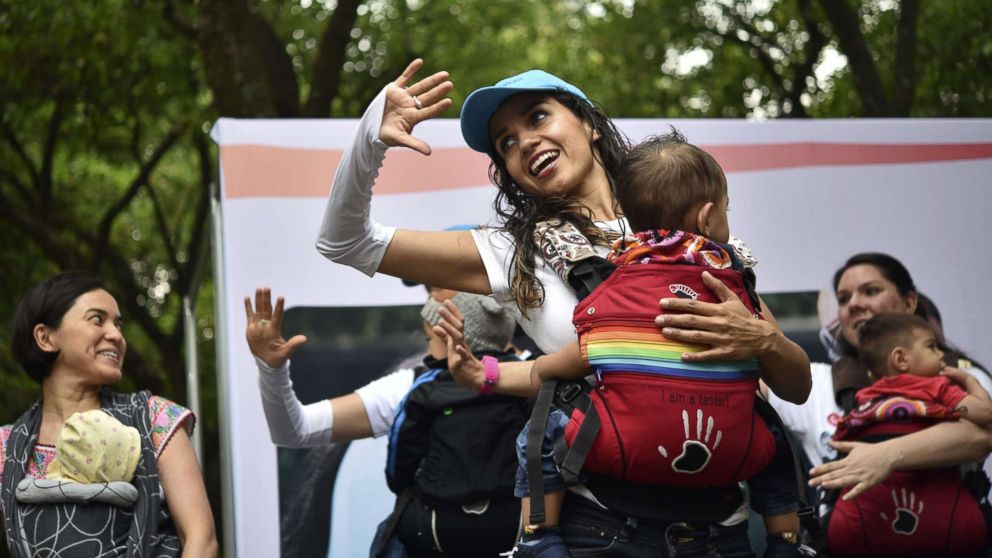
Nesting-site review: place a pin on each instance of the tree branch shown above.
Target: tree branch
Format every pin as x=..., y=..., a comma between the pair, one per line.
x=844, y=22
x=46, y=182
x=40, y=231
x=100, y=245
x=163, y=227
x=199, y=238
x=905, y=67
x=755, y=43
x=817, y=41
x=170, y=15
x=15, y=181
x=763, y=57
x=330, y=58
x=22, y=154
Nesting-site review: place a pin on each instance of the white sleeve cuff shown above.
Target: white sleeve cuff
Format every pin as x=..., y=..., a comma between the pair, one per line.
x=292, y=424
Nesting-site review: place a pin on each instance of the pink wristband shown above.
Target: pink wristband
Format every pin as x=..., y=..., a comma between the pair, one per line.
x=491, y=366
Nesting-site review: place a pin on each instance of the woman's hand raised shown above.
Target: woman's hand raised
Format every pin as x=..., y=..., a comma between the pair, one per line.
x=408, y=105
x=263, y=331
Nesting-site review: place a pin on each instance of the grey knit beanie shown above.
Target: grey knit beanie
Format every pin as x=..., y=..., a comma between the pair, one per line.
x=487, y=326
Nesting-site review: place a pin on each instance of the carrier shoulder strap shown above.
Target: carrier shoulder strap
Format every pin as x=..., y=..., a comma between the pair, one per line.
x=392, y=521
x=423, y=376
x=569, y=459
x=535, y=437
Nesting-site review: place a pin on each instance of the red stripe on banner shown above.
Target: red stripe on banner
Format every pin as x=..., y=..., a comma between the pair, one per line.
x=770, y=156
x=252, y=171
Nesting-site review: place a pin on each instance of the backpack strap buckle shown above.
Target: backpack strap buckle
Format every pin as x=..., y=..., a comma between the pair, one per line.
x=570, y=392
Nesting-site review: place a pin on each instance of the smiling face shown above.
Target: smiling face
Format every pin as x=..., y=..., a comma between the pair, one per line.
x=90, y=342
x=547, y=149
x=863, y=292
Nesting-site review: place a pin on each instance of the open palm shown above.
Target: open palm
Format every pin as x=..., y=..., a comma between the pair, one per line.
x=263, y=331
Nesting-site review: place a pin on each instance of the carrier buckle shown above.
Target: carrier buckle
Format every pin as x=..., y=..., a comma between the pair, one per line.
x=570, y=392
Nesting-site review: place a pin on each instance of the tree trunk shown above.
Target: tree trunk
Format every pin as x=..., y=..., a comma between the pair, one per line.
x=246, y=63
x=867, y=80
x=330, y=58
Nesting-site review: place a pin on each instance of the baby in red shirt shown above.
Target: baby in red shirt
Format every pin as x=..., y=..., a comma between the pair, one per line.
x=900, y=351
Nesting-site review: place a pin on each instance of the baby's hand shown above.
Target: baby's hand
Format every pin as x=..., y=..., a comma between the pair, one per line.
x=466, y=370
x=959, y=377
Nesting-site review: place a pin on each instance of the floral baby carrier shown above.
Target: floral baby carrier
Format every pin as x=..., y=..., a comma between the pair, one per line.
x=932, y=512
x=665, y=421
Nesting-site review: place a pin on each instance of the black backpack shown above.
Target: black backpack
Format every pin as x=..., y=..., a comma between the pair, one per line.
x=452, y=457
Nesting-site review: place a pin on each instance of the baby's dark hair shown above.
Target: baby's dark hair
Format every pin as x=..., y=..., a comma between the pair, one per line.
x=663, y=178
x=879, y=335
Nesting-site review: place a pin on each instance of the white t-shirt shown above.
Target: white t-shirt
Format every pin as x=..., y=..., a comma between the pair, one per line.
x=382, y=397
x=549, y=325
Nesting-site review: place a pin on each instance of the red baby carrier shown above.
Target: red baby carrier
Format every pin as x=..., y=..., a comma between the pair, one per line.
x=932, y=512
x=667, y=422
x=652, y=419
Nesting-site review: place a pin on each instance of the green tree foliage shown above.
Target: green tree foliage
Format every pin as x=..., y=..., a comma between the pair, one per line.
x=104, y=109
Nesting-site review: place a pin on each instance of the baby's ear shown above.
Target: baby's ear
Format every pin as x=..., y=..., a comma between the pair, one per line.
x=899, y=359
x=703, y=215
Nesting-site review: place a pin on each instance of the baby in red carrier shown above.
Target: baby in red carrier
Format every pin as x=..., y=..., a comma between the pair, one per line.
x=911, y=513
x=660, y=421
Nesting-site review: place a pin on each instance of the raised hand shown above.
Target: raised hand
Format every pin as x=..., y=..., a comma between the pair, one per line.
x=408, y=105
x=466, y=370
x=263, y=332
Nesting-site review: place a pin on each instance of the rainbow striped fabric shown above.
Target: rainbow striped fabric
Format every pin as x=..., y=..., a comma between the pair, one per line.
x=643, y=349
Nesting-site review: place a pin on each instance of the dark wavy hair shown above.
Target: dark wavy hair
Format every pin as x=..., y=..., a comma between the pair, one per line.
x=46, y=303
x=520, y=211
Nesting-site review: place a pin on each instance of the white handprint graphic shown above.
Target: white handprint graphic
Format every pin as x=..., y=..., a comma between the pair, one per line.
x=907, y=515
x=695, y=451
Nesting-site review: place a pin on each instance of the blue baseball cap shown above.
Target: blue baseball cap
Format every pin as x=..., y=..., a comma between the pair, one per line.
x=483, y=102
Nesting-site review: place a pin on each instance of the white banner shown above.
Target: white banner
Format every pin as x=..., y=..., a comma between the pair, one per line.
x=805, y=195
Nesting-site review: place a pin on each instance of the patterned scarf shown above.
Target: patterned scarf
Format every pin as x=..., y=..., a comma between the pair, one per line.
x=32, y=529
x=563, y=245
x=673, y=247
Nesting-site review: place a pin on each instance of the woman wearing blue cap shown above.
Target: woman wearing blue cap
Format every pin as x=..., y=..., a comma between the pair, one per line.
x=553, y=159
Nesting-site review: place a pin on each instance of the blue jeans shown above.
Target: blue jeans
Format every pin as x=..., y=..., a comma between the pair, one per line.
x=589, y=530
x=553, y=481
